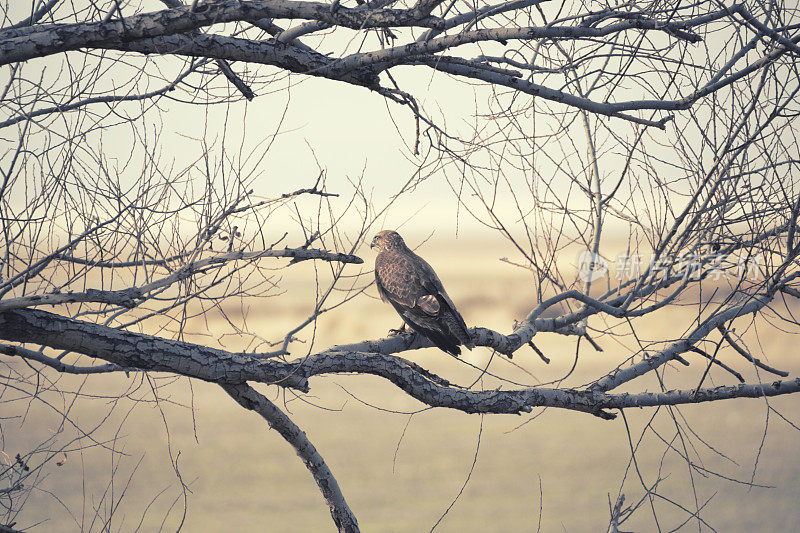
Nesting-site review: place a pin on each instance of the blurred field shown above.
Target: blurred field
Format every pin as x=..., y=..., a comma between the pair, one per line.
x=400, y=472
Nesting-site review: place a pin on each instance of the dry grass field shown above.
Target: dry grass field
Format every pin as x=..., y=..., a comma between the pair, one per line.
x=400, y=466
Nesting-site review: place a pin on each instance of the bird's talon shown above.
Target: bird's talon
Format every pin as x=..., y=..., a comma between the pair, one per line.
x=398, y=331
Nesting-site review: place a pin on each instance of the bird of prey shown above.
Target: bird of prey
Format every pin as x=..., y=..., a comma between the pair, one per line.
x=409, y=283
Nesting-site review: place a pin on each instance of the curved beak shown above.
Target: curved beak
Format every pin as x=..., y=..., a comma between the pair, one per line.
x=372, y=245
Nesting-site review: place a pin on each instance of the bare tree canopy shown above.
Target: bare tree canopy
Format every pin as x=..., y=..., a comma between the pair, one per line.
x=637, y=160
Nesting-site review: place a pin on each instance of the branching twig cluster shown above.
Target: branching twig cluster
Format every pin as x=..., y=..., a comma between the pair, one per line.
x=672, y=125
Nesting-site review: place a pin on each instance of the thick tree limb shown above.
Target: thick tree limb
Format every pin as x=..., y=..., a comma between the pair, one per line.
x=134, y=350
x=38, y=41
x=269, y=52
x=436, y=395
x=591, y=401
x=175, y=31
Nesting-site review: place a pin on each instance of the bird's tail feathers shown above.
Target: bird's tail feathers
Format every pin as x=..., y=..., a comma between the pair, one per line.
x=443, y=342
x=447, y=343
x=458, y=329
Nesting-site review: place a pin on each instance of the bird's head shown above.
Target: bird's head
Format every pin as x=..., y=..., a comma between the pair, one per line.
x=386, y=240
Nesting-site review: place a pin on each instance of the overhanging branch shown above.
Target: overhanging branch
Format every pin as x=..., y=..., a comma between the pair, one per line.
x=21, y=44
x=133, y=350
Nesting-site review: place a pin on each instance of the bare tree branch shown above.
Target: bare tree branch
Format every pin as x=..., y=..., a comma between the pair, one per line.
x=250, y=399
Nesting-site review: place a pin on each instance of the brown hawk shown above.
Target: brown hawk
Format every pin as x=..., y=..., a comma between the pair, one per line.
x=409, y=283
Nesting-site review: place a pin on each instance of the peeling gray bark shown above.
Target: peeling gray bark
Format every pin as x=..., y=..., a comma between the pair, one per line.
x=177, y=31
x=21, y=44
x=134, y=350
x=270, y=52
